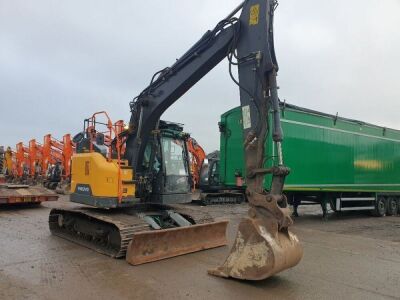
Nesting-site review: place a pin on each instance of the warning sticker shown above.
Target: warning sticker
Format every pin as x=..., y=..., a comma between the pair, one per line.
x=254, y=14
x=246, y=117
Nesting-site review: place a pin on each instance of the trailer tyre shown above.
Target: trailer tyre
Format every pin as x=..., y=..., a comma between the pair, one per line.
x=332, y=204
x=392, y=206
x=398, y=207
x=380, y=207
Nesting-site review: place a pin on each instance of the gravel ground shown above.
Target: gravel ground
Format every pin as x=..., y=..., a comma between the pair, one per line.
x=350, y=256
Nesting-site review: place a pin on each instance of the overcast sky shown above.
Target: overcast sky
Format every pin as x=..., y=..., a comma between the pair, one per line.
x=60, y=61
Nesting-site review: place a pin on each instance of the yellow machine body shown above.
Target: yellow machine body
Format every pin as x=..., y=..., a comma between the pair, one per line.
x=94, y=180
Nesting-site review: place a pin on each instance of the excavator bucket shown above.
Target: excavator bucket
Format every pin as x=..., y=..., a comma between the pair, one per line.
x=155, y=245
x=260, y=251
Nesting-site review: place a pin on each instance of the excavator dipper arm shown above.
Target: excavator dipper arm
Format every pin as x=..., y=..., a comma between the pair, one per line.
x=264, y=245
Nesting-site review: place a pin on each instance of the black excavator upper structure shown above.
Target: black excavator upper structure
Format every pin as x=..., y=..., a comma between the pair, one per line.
x=248, y=43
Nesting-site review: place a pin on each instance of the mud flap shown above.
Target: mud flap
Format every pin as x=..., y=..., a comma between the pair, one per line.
x=260, y=251
x=155, y=245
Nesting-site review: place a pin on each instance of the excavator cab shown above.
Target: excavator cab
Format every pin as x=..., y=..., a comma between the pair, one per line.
x=165, y=176
x=166, y=166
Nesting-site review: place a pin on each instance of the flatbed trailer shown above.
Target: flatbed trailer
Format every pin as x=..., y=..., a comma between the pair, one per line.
x=348, y=164
x=18, y=194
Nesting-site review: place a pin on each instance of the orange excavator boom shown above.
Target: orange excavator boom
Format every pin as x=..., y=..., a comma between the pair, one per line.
x=22, y=158
x=35, y=158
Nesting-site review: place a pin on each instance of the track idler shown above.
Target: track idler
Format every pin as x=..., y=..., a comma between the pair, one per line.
x=264, y=246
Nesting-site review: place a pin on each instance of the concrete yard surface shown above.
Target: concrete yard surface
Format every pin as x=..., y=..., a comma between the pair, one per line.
x=350, y=256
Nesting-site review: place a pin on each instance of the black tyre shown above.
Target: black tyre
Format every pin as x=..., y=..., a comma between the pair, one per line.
x=380, y=207
x=392, y=206
x=332, y=204
x=398, y=207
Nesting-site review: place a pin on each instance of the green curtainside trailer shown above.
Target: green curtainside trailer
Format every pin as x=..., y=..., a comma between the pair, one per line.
x=351, y=165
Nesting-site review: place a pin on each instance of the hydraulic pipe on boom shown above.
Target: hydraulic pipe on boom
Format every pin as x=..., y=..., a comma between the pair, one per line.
x=264, y=245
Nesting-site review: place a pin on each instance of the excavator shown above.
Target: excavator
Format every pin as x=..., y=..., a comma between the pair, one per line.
x=211, y=190
x=197, y=157
x=56, y=162
x=132, y=202
x=204, y=170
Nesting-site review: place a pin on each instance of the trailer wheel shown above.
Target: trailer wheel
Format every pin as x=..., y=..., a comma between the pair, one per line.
x=398, y=206
x=332, y=204
x=391, y=206
x=380, y=207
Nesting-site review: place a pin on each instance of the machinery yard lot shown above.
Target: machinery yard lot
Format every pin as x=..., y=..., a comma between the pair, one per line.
x=271, y=199
x=350, y=256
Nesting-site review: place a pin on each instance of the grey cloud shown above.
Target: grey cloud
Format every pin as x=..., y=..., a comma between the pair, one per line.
x=61, y=61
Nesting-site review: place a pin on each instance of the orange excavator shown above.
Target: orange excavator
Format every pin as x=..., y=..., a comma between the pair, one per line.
x=22, y=162
x=31, y=164
x=57, y=160
x=35, y=157
x=55, y=150
x=17, y=167
x=49, y=162
x=197, y=156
